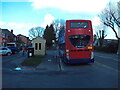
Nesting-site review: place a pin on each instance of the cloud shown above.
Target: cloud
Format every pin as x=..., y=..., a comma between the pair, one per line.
x=2, y=23
x=71, y=5
x=48, y=19
x=23, y=28
x=12, y=25
x=18, y=28
x=96, y=21
x=15, y=25
x=13, y=0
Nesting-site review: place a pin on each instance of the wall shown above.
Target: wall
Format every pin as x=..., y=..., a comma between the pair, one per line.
x=42, y=41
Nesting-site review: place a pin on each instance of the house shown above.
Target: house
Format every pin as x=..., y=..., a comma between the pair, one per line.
x=39, y=46
x=7, y=38
x=105, y=42
x=23, y=40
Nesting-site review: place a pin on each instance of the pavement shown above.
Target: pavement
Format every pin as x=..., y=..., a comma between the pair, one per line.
x=49, y=63
x=13, y=63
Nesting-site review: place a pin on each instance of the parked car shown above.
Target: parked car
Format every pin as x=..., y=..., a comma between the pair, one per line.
x=5, y=51
x=14, y=49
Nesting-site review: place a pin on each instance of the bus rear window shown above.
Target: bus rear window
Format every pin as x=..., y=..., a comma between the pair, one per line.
x=78, y=24
x=79, y=41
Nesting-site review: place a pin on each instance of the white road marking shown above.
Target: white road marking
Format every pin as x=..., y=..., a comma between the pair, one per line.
x=49, y=60
x=107, y=66
x=61, y=65
x=107, y=57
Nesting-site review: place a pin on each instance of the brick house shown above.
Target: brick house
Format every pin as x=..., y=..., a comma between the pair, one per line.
x=7, y=38
x=23, y=40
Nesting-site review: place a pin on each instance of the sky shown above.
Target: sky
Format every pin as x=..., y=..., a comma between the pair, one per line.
x=22, y=15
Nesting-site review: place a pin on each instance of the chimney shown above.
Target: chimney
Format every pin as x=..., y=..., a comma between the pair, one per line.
x=11, y=30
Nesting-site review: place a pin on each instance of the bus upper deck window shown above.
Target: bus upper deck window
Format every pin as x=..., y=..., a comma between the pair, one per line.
x=79, y=25
x=79, y=41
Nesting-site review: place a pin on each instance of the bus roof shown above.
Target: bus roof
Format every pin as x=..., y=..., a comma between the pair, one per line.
x=78, y=20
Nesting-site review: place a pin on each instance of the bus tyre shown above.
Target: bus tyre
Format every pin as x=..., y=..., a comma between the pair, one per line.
x=8, y=54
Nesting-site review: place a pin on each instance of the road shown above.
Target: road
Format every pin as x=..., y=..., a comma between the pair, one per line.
x=13, y=60
x=52, y=74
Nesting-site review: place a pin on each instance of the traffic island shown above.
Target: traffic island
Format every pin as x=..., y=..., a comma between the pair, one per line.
x=32, y=61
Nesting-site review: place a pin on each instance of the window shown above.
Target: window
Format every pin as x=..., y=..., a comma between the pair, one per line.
x=15, y=39
x=4, y=48
x=79, y=41
x=36, y=46
x=39, y=46
x=79, y=25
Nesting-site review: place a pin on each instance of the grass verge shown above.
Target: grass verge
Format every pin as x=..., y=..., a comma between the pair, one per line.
x=32, y=61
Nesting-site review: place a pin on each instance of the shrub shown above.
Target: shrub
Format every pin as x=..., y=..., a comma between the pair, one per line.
x=109, y=48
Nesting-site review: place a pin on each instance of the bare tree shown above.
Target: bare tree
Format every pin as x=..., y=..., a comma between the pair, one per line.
x=101, y=33
x=111, y=18
x=116, y=15
x=35, y=32
x=58, y=24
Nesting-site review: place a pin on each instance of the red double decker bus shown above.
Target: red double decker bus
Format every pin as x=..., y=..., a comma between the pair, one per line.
x=76, y=42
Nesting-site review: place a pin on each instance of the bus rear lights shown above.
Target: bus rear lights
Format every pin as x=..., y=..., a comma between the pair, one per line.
x=67, y=50
x=67, y=53
x=68, y=57
x=68, y=30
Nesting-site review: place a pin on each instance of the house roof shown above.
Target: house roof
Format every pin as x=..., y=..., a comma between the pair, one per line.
x=7, y=31
x=38, y=37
